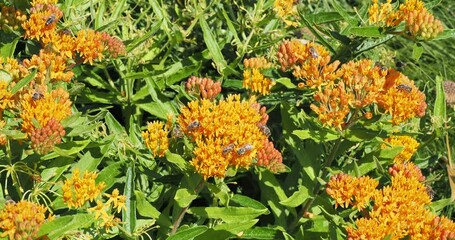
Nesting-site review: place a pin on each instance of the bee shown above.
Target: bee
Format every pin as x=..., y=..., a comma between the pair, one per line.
x=314, y=52
x=176, y=132
x=246, y=148
x=50, y=19
x=404, y=87
x=430, y=191
x=265, y=130
x=37, y=95
x=9, y=201
x=227, y=149
x=193, y=125
x=380, y=66
x=66, y=32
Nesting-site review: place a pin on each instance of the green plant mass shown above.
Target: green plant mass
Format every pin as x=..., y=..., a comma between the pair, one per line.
x=267, y=119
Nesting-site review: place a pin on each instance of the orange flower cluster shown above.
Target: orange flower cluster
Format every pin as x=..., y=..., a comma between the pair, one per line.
x=156, y=138
x=285, y=9
x=203, y=87
x=268, y=156
x=226, y=133
x=51, y=67
x=44, y=139
x=399, y=210
x=39, y=107
x=419, y=22
x=348, y=190
x=410, y=147
x=11, y=18
x=3, y=139
x=408, y=170
x=102, y=210
x=310, y=62
x=253, y=78
x=401, y=98
x=77, y=191
x=22, y=220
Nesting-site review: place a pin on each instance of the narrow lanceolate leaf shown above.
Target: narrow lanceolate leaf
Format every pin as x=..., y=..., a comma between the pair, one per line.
x=188, y=233
x=61, y=225
x=448, y=33
x=212, y=45
x=129, y=215
x=26, y=80
x=439, y=107
x=366, y=32
x=228, y=214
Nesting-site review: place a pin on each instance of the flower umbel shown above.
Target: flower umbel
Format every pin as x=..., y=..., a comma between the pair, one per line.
x=410, y=147
x=253, y=78
x=156, y=138
x=79, y=190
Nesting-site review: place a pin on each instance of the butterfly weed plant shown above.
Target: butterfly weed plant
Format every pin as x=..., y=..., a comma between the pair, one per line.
x=271, y=119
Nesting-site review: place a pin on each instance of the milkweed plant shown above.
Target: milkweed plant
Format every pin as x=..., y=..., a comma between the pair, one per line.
x=269, y=119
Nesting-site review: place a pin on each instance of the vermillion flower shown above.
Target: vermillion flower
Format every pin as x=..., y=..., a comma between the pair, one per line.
x=114, y=46
x=156, y=138
x=226, y=133
x=269, y=157
x=347, y=190
x=410, y=147
x=401, y=98
x=333, y=105
x=42, y=21
x=77, y=191
x=51, y=67
x=89, y=45
x=42, y=107
x=421, y=23
x=44, y=139
x=285, y=9
x=364, y=79
x=11, y=18
x=203, y=87
x=22, y=220
x=383, y=14
x=3, y=139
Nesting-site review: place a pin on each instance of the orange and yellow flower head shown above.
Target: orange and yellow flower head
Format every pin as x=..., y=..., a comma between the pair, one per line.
x=89, y=45
x=253, y=78
x=42, y=22
x=285, y=10
x=225, y=133
x=51, y=67
x=410, y=147
x=156, y=138
x=79, y=190
x=22, y=220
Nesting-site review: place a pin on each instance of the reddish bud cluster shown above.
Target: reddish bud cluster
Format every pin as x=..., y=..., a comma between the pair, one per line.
x=286, y=56
x=270, y=157
x=114, y=46
x=204, y=87
x=43, y=139
x=408, y=170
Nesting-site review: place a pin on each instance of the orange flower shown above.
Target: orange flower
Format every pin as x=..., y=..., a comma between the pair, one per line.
x=38, y=107
x=3, y=139
x=156, y=138
x=51, y=67
x=421, y=23
x=401, y=98
x=226, y=133
x=89, y=45
x=77, y=191
x=383, y=14
x=285, y=9
x=42, y=22
x=203, y=87
x=348, y=190
x=410, y=147
x=22, y=220
x=253, y=78
x=11, y=18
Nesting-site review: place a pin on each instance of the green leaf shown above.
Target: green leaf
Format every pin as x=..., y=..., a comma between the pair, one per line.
x=8, y=45
x=439, y=205
x=70, y=148
x=286, y=82
x=417, y=51
x=390, y=152
x=447, y=33
x=348, y=17
x=129, y=215
x=184, y=197
x=111, y=174
x=177, y=161
x=114, y=126
x=297, y=198
x=325, y=17
x=188, y=233
x=212, y=45
x=61, y=225
x=159, y=110
x=439, y=107
x=369, y=31
x=26, y=80
x=245, y=201
x=318, y=135
x=262, y=233
x=228, y=214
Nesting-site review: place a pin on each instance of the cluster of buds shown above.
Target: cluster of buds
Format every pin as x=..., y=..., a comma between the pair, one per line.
x=11, y=18
x=203, y=87
x=44, y=139
x=408, y=170
x=114, y=46
x=253, y=78
x=421, y=23
x=269, y=157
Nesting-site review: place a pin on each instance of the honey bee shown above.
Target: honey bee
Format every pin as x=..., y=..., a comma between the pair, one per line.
x=265, y=130
x=66, y=32
x=430, y=191
x=404, y=87
x=246, y=148
x=380, y=66
x=227, y=149
x=176, y=132
x=314, y=52
x=37, y=95
x=10, y=201
x=193, y=125
x=50, y=20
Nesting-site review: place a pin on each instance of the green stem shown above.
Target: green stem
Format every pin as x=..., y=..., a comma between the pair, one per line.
x=177, y=222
